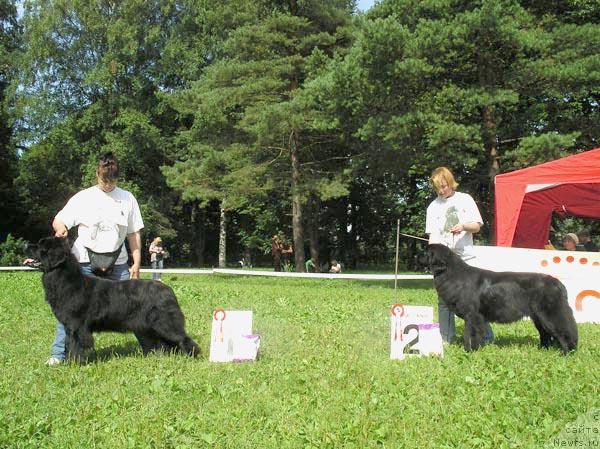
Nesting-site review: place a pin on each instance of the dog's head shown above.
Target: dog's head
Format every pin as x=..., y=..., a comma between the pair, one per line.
x=49, y=253
x=440, y=257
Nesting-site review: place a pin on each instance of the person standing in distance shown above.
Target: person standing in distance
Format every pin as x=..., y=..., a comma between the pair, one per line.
x=157, y=254
x=105, y=215
x=452, y=219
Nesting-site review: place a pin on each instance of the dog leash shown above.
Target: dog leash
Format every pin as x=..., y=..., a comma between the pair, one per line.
x=413, y=237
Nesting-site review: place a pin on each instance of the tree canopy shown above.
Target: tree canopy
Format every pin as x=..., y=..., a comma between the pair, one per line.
x=238, y=120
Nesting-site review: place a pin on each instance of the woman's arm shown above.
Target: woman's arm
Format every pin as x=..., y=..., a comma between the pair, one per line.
x=60, y=229
x=472, y=227
x=135, y=244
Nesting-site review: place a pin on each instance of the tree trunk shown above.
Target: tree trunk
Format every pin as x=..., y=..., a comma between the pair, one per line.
x=352, y=235
x=199, y=233
x=341, y=249
x=293, y=7
x=313, y=228
x=222, y=236
x=297, y=227
x=491, y=145
x=247, y=257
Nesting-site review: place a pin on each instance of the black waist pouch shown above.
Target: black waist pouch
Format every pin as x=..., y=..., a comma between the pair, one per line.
x=103, y=263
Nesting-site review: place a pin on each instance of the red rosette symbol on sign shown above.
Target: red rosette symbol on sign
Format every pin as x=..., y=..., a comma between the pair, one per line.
x=219, y=315
x=397, y=311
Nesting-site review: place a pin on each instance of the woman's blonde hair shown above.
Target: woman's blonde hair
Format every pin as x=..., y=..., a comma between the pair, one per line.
x=157, y=240
x=442, y=174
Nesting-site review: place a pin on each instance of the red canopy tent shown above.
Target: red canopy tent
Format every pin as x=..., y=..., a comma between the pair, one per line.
x=526, y=199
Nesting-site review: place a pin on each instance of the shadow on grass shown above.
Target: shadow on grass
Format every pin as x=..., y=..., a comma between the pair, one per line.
x=514, y=340
x=510, y=340
x=129, y=349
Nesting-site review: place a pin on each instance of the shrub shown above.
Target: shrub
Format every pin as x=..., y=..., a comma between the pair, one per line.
x=12, y=252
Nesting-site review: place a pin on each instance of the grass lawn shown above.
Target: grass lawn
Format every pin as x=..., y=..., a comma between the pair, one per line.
x=324, y=378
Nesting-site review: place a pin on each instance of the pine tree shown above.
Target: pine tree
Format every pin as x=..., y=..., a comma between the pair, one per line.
x=245, y=118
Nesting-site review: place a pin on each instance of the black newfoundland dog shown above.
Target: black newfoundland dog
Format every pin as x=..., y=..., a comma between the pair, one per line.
x=86, y=304
x=478, y=295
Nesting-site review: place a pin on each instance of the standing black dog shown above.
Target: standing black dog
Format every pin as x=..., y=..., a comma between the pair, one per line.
x=86, y=304
x=478, y=295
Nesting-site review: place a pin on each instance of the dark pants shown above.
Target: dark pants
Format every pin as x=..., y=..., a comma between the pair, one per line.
x=277, y=262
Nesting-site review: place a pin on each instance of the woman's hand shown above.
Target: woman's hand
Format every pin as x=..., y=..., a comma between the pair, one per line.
x=134, y=271
x=473, y=228
x=457, y=229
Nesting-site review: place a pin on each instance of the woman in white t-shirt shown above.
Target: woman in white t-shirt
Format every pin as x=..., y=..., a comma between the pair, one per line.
x=105, y=216
x=452, y=219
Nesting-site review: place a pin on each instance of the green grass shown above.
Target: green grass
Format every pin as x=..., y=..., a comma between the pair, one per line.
x=324, y=378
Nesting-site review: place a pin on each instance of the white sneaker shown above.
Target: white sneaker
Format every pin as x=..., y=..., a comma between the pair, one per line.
x=53, y=361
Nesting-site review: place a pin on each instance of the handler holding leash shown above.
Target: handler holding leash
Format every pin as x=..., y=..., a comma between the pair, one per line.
x=105, y=216
x=452, y=219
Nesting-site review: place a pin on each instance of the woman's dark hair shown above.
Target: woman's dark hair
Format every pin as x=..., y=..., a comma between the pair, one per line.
x=108, y=168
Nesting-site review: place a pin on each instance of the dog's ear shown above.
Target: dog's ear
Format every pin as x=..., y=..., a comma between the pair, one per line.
x=53, y=252
x=436, y=255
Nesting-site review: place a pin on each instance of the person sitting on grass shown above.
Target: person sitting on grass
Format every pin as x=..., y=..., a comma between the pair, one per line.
x=311, y=265
x=335, y=267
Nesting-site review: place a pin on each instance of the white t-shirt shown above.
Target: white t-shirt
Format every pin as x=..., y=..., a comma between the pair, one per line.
x=104, y=220
x=444, y=213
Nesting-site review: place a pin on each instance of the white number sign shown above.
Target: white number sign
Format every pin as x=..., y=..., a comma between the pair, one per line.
x=413, y=332
x=231, y=337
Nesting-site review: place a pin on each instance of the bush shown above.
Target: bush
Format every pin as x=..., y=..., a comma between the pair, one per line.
x=12, y=252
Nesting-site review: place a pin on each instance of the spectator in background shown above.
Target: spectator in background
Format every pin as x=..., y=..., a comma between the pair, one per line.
x=311, y=265
x=276, y=250
x=286, y=251
x=157, y=255
x=570, y=242
x=335, y=267
x=586, y=240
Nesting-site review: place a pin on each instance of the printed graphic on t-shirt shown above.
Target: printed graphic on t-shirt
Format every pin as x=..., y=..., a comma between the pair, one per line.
x=451, y=218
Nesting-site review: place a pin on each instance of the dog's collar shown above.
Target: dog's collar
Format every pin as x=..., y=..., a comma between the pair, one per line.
x=438, y=271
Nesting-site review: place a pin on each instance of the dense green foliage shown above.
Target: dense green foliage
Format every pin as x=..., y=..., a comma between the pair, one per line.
x=10, y=213
x=12, y=252
x=323, y=378
x=236, y=119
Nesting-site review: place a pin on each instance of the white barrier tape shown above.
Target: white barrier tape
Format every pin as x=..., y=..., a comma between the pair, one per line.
x=178, y=270
x=241, y=272
x=142, y=270
x=17, y=269
x=379, y=277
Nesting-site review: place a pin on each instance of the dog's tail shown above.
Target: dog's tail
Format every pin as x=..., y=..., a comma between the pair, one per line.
x=189, y=346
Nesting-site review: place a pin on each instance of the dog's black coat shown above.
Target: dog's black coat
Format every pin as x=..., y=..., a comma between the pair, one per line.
x=478, y=296
x=86, y=304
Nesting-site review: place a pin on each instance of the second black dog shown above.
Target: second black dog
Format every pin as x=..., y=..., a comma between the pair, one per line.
x=86, y=304
x=478, y=295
